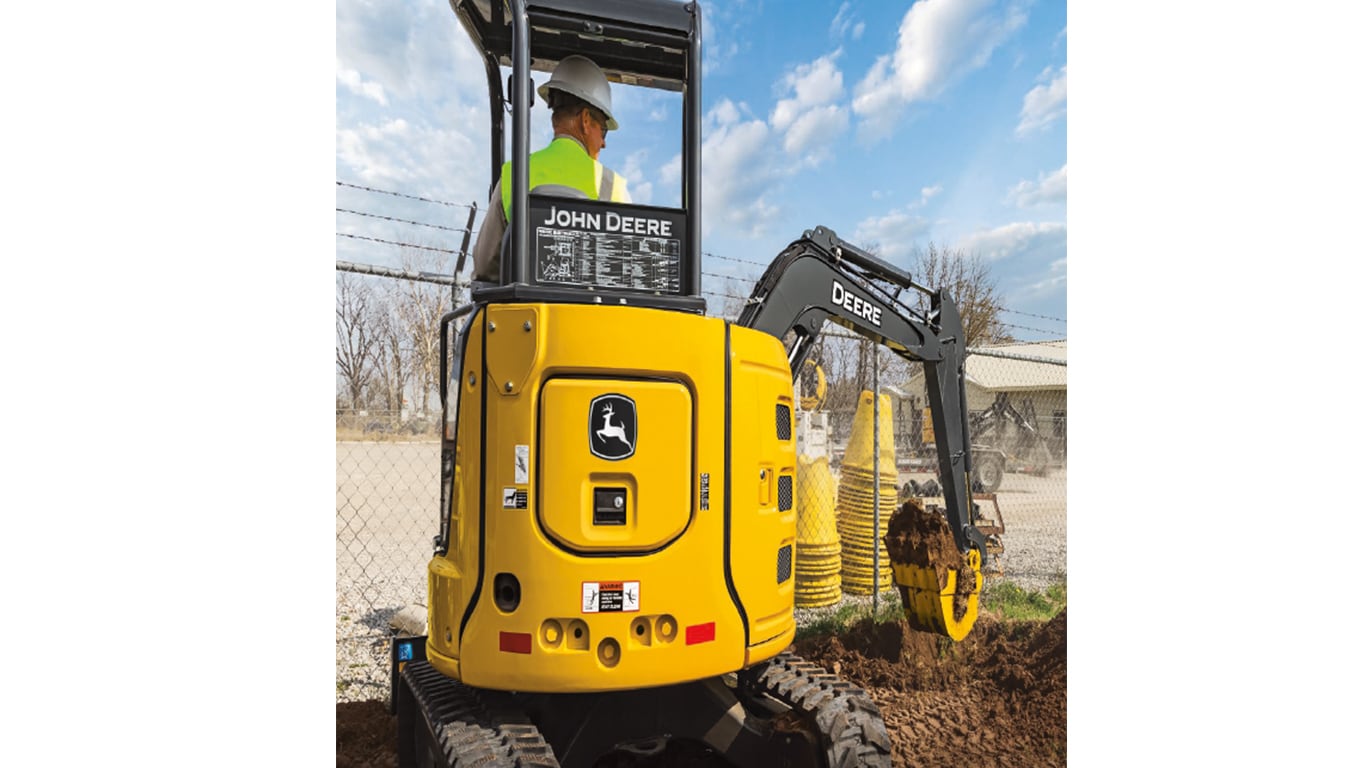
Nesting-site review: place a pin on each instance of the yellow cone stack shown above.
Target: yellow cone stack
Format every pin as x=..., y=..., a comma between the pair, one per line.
x=854, y=510
x=818, y=543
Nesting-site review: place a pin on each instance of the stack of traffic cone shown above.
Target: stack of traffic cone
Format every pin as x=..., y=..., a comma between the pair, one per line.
x=818, y=543
x=859, y=537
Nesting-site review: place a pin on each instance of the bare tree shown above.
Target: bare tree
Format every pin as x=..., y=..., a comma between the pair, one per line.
x=392, y=358
x=356, y=340
x=419, y=307
x=971, y=285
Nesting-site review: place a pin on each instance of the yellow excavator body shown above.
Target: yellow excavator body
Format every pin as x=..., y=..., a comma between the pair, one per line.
x=622, y=514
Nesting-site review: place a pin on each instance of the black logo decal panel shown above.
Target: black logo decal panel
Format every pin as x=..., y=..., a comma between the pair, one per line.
x=612, y=427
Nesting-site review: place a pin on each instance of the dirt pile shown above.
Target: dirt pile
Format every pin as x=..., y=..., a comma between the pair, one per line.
x=999, y=697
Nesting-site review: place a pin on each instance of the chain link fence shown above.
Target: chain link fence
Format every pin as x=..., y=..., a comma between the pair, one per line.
x=847, y=491
x=388, y=471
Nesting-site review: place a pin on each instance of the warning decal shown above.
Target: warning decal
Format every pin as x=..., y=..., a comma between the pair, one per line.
x=611, y=596
x=514, y=498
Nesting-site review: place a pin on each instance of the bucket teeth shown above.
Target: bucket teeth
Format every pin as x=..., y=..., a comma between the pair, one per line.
x=928, y=596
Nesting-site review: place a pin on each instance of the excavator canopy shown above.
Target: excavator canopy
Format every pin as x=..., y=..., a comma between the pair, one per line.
x=636, y=42
x=642, y=43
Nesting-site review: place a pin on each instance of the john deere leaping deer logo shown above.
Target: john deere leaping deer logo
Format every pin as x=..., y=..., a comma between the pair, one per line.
x=612, y=427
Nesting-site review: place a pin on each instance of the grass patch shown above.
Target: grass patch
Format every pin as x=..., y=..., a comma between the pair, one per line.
x=1009, y=601
x=847, y=615
x=1003, y=599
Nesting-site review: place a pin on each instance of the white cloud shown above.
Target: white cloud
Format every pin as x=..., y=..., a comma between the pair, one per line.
x=817, y=83
x=354, y=83
x=1050, y=284
x=939, y=42
x=672, y=171
x=737, y=178
x=1020, y=239
x=1030, y=261
x=1048, y=189
x=741, y=167
x=813, y=132
x=1044, y=103
x=720, y=22
x=927, y=192
x=844, y=24
x=412, y=109
x=723, y=114
x=894, y=234
x=413, y=50
x=417, y=158
x=641, y=190
x=807, y=117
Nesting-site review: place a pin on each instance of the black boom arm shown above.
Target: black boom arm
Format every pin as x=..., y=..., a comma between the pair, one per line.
x=821, y=278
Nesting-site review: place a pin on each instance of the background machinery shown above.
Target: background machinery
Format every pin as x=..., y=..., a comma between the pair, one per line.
x=612, y=576
x=1003, y=439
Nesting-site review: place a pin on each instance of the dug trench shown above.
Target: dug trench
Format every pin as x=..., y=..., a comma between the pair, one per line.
x=998, y=698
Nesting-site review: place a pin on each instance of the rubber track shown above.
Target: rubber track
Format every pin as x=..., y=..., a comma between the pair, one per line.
x=849, y=722
x=470, y=732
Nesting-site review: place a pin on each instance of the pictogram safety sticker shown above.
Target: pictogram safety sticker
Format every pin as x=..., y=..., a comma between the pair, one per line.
x=611, y=596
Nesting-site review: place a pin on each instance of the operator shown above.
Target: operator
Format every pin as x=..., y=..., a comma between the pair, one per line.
x=580, y=103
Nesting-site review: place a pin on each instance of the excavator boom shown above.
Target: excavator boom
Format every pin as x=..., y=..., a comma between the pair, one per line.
x=821, y=278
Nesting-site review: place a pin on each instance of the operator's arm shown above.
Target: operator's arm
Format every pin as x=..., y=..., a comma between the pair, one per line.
x=490, y=241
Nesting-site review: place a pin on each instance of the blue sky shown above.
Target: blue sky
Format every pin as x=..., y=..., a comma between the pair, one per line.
x=895, y=124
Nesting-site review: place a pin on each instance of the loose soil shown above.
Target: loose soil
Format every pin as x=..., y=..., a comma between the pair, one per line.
x=998, y=698
x=367, y=737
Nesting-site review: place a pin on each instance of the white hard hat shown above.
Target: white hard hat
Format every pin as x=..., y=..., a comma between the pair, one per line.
x=579, y=76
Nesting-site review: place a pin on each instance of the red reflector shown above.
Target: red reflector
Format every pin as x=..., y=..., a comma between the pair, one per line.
x=514, y=642
x=701, y=633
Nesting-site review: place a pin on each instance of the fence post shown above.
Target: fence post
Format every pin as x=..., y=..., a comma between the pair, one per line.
x=877, y=475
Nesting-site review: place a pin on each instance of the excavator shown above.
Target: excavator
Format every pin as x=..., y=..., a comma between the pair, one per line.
x=612, y=577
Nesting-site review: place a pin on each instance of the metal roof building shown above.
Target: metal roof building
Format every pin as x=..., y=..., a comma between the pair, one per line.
x=1017, y=372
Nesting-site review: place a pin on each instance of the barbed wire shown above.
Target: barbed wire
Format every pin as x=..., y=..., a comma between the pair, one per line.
x=402, y=274
x=1025, y=328
x=725, y=277
x=732, y=258
x=725, y=295
x=405, y=221
x=988, y=352
x=1041, y=342
x=837, y=332
x=392, y=242
x=400, y=194
x=1026, y=314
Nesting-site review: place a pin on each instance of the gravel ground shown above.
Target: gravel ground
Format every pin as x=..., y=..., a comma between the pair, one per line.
x=386, y=510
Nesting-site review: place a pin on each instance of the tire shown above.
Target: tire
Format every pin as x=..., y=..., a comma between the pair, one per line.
x=989, y=472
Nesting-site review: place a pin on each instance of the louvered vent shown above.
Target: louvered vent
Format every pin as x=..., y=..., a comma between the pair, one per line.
x=784, y=422
x=784, y=563
x=784, y=492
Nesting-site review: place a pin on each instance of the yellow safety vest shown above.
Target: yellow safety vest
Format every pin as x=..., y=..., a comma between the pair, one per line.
x=566, y=162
